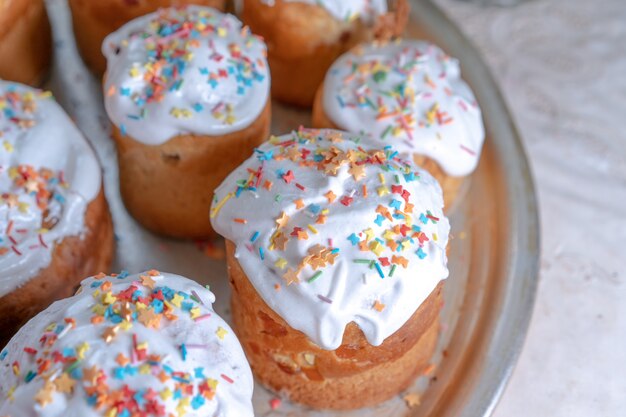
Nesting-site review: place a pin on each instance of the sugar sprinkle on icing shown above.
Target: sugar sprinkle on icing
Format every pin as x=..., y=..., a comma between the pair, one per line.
x=127, y=345
x=409, y=94
x=362, y=211
x=189, y=70
x=48, y=175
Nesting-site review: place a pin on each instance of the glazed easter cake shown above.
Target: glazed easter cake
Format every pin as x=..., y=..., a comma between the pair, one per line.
x=92, y=21
x=55, y=226
x=408, y=94
x=336, y=249
x=127, y=345
x=187, y=90
x=304, y=37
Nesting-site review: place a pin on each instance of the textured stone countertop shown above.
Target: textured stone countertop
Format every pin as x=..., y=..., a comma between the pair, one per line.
x=561, y=64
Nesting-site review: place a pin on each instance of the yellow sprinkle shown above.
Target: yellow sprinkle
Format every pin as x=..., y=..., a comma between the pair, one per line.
x=313, y=229
x=126, y=325
x=376, y=247
x=81, y=350
x=109, y=298
x=381, y=177
x=195, y=312
x=219, y=205
x=435, y=237
x=281, y=263
x=166, y=394
x=221, y=32
x=382, y=191
x=7, y=146
x=176, y=300
x=99, y=309
x=221, y=332
x=212, y=383
x=145, y=369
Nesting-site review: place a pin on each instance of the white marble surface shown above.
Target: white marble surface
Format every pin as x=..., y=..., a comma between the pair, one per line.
x=561, y=65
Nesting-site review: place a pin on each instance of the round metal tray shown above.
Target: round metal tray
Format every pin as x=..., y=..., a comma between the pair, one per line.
x=494, y=253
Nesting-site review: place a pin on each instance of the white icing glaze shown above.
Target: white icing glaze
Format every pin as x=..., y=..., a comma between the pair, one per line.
x=246, y=209
x=409, y=94
x=150, y=361
x=348, y=10
x=37, y=135
x=212, y=75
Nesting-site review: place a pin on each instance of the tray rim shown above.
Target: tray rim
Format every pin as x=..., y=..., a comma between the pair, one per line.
x=509, y=332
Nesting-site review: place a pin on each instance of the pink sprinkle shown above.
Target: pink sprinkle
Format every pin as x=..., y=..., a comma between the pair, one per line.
x=468, y=150
x=324, y=299
x=227, y=379
x=42, y=242
x=203, y=317
x=274, y=403
x=300, y=186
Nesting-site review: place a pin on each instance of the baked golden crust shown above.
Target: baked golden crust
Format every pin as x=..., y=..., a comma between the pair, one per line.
x=73, y=259
x=168, y=188
x=354, y=375
x=303, y=41
x=94, y=19
x=25, y=41
x=450, y=185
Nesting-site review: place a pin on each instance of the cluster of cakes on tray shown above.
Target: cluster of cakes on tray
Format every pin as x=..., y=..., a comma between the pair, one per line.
x=336, y=234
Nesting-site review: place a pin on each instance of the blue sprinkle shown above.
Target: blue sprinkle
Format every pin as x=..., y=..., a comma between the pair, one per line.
x=3, y=354
x=199, y=373
x=157, y=305
x=254, y=236
x=379, y=220
x=315, y=208
x=379, y=269
x=261, y=253
x=354, y=239
x=197, y=402
x=118, y=373
x=420, y=253
x=183, y=351
x=30, y=376
x=397, y=204
x=423, y=218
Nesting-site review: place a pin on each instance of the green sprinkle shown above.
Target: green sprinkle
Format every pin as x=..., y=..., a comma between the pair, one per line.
x=314, y=277
x=393, y=269
x=361, y=261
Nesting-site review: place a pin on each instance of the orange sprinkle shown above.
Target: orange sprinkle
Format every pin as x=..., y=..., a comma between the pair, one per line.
x=241, y=221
